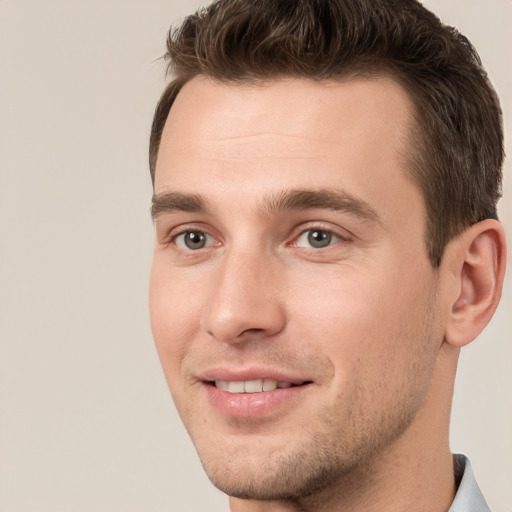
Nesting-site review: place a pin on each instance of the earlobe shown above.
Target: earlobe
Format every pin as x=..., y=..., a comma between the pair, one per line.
x=480, y=262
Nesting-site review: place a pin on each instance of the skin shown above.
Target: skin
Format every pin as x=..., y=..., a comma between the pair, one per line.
x=366, y=321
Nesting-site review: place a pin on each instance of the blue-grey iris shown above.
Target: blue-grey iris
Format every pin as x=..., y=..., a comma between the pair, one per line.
x=319, y=239
x=195, y=239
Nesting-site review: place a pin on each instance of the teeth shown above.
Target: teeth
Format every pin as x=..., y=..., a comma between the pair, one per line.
x=251, y=386
x=236, y=387
x=222, y=384
x=269, y=385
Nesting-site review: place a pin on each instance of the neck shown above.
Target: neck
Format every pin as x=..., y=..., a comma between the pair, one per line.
x=414, y=473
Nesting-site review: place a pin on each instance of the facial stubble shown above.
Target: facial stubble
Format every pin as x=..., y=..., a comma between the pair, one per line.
x=337, y=454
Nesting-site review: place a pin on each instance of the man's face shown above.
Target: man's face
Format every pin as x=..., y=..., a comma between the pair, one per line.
x=290, y=263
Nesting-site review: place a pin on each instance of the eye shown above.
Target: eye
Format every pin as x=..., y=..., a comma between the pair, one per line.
x=193, y=240
x=316, y=238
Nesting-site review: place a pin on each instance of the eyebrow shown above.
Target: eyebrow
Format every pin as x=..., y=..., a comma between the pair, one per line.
x=293, y=199
x=326, y=199
x=168, y=202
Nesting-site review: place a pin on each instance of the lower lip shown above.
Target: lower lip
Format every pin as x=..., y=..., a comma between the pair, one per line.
x=253, y=405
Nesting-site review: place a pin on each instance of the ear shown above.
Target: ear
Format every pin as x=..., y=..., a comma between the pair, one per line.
x=478, y=260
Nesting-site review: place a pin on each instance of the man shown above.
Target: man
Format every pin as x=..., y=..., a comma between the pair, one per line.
x=325, y=184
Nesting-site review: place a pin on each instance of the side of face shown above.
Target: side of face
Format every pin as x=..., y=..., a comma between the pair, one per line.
x=290, y=257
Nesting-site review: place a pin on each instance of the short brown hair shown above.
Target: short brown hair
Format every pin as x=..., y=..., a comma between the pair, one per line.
x=456, y=152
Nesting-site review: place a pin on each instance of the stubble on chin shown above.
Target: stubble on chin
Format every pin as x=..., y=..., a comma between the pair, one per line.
x=315, y=467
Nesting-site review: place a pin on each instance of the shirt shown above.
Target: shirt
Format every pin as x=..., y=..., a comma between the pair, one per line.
x=468, y=497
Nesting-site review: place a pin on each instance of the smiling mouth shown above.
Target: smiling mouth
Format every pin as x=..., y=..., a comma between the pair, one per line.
x=254, y=386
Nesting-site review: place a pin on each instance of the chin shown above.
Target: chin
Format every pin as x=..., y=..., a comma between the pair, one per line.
x=281, y=484
x=273, y=475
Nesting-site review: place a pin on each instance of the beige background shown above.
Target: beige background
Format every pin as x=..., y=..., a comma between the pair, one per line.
x=86, y=422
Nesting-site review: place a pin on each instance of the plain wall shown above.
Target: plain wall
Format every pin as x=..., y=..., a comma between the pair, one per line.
x=86, y=421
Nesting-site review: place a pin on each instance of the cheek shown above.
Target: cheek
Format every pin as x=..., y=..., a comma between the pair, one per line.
x=339, y=305
x=174, y=314
x=369, y=325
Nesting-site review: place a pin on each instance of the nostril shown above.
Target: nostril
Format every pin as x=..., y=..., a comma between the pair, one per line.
x=252, y=331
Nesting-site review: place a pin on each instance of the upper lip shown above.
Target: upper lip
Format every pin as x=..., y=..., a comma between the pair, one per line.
x=237, y=375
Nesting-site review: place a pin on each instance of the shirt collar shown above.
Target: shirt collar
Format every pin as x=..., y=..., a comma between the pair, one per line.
x=469, y=498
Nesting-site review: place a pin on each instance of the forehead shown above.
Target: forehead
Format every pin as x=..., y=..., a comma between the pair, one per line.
x=215, y=110
x=352, y=135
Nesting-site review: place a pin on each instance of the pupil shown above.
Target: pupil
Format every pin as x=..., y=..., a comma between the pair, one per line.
x=319, y=238
x=195, y=240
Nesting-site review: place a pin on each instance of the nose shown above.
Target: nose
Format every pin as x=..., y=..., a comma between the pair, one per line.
x=245, y=300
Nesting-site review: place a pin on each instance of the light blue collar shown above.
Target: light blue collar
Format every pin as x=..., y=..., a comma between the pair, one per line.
x=469, y=497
